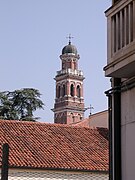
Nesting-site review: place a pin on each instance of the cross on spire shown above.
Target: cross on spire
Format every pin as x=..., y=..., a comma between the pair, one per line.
x=69, y=37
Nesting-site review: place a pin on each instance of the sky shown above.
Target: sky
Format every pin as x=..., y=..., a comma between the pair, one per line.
x=32, y=35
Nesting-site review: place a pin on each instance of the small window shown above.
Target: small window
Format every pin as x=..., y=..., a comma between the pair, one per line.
x=79, y=117
x=72, y=90
x=63, y=90
x=58, y=91
x=73, y=117
x=78, y=91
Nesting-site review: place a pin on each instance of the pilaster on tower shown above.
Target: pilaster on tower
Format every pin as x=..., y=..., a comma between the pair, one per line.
x=69, y=101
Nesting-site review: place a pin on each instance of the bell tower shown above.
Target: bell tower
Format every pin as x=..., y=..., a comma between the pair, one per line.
x=69, y=101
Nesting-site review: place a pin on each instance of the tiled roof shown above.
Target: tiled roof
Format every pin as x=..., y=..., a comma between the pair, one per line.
x=54, y=146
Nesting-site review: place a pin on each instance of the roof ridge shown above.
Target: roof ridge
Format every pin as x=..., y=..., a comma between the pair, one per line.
x=46, y=123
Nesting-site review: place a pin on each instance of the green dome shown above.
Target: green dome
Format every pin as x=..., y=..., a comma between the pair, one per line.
x=69, y=49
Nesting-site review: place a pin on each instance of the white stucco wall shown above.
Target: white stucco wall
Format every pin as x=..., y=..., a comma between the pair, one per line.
x=128, y=134
x=16, y=174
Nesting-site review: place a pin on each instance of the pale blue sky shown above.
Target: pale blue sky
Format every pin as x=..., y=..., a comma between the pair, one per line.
x=32, y=35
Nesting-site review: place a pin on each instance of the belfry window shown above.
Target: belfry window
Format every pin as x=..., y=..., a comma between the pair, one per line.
x=78, y=91
x=63, y=90
x=58, y=93
x=79, y=117
x=72, y=90
x=73, y=117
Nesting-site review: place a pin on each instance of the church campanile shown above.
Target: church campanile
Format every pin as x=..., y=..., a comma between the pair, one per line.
x=69, y=101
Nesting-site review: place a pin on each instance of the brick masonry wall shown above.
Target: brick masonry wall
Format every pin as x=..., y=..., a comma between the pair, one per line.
x=16, y=174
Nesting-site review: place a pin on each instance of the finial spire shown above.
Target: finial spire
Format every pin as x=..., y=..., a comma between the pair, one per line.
x=70, y=37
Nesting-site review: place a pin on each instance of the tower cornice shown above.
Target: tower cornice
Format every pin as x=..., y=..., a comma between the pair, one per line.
x=69, y=55
x=73, y=77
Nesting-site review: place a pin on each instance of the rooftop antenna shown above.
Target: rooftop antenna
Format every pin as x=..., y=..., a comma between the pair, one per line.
x=90, y=108
x=69, y=37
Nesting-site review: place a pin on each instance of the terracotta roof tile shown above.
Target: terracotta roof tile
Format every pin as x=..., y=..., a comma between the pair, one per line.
x=42, y=145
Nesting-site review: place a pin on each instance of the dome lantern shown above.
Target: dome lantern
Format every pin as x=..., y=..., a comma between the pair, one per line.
x=69, y=49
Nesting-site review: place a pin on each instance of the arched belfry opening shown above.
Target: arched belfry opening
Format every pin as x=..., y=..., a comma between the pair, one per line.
x=78, y=90
x=69, y=101
x=63, y=90
x=72, y=90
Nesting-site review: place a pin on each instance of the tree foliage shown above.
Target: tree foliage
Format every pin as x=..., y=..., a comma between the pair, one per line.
x=20, y=104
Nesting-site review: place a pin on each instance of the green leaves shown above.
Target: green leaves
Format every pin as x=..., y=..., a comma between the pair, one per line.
x=20, y=104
